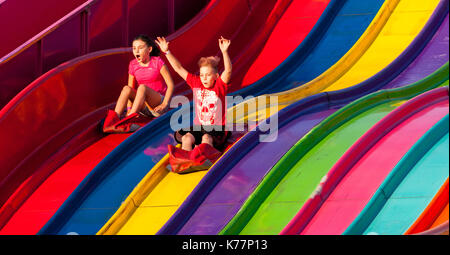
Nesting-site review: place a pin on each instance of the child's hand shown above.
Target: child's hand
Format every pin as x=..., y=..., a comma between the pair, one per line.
x=224, y=44
x=160, y=109
x=163, y=44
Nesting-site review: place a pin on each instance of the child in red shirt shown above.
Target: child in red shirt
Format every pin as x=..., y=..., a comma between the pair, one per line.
x=209, y=91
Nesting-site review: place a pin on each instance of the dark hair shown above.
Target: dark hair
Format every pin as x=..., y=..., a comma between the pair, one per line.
x=150, y=43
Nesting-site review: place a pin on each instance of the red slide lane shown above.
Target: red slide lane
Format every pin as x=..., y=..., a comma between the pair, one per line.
x=87, y=159
x=301, y=16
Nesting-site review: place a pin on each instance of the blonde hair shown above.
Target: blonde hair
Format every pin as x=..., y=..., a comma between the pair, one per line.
x=212, y=61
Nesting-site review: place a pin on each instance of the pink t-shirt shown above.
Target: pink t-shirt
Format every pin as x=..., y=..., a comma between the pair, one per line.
x=149, y=76
x=210, y=104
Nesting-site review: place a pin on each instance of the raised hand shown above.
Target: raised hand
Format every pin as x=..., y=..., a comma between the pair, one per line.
x=224, y=44
x=163, y=44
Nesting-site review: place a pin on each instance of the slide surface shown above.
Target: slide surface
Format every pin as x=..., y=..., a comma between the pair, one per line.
x=270, y=210
x=129, y=173
x=360, y=171
x=160, y=193
x=351, y=7
x=97, y=197
x=409, y=187
x=394, y=27
x=89, y=140
x=213, y=204
x=278, y=198
x=333, y=37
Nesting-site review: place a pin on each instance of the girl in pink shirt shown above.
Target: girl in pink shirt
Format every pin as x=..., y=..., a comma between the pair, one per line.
x=149, y=85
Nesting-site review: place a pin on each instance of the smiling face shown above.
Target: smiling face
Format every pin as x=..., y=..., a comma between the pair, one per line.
x=208, y=76
x=141, y=51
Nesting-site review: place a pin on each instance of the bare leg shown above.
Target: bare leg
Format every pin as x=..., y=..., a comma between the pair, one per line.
x=126, y=94
x=187, y=141
x=145, y=94
x=207, y=139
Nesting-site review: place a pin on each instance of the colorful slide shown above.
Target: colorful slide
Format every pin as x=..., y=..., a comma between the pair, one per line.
x=263, y=11
x=143, y=157
x=120, y=212
x=353, y=180
x=50, y=106
x=390, y=33
x=246, y=144
x=321, y=59
x=217, y=199
x=409, y=187
x=217, y=211
x=146, y=202
x=278, y=198
x=47, y=174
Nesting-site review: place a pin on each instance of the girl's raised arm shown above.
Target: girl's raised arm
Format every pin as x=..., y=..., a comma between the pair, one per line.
x=164, y=46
